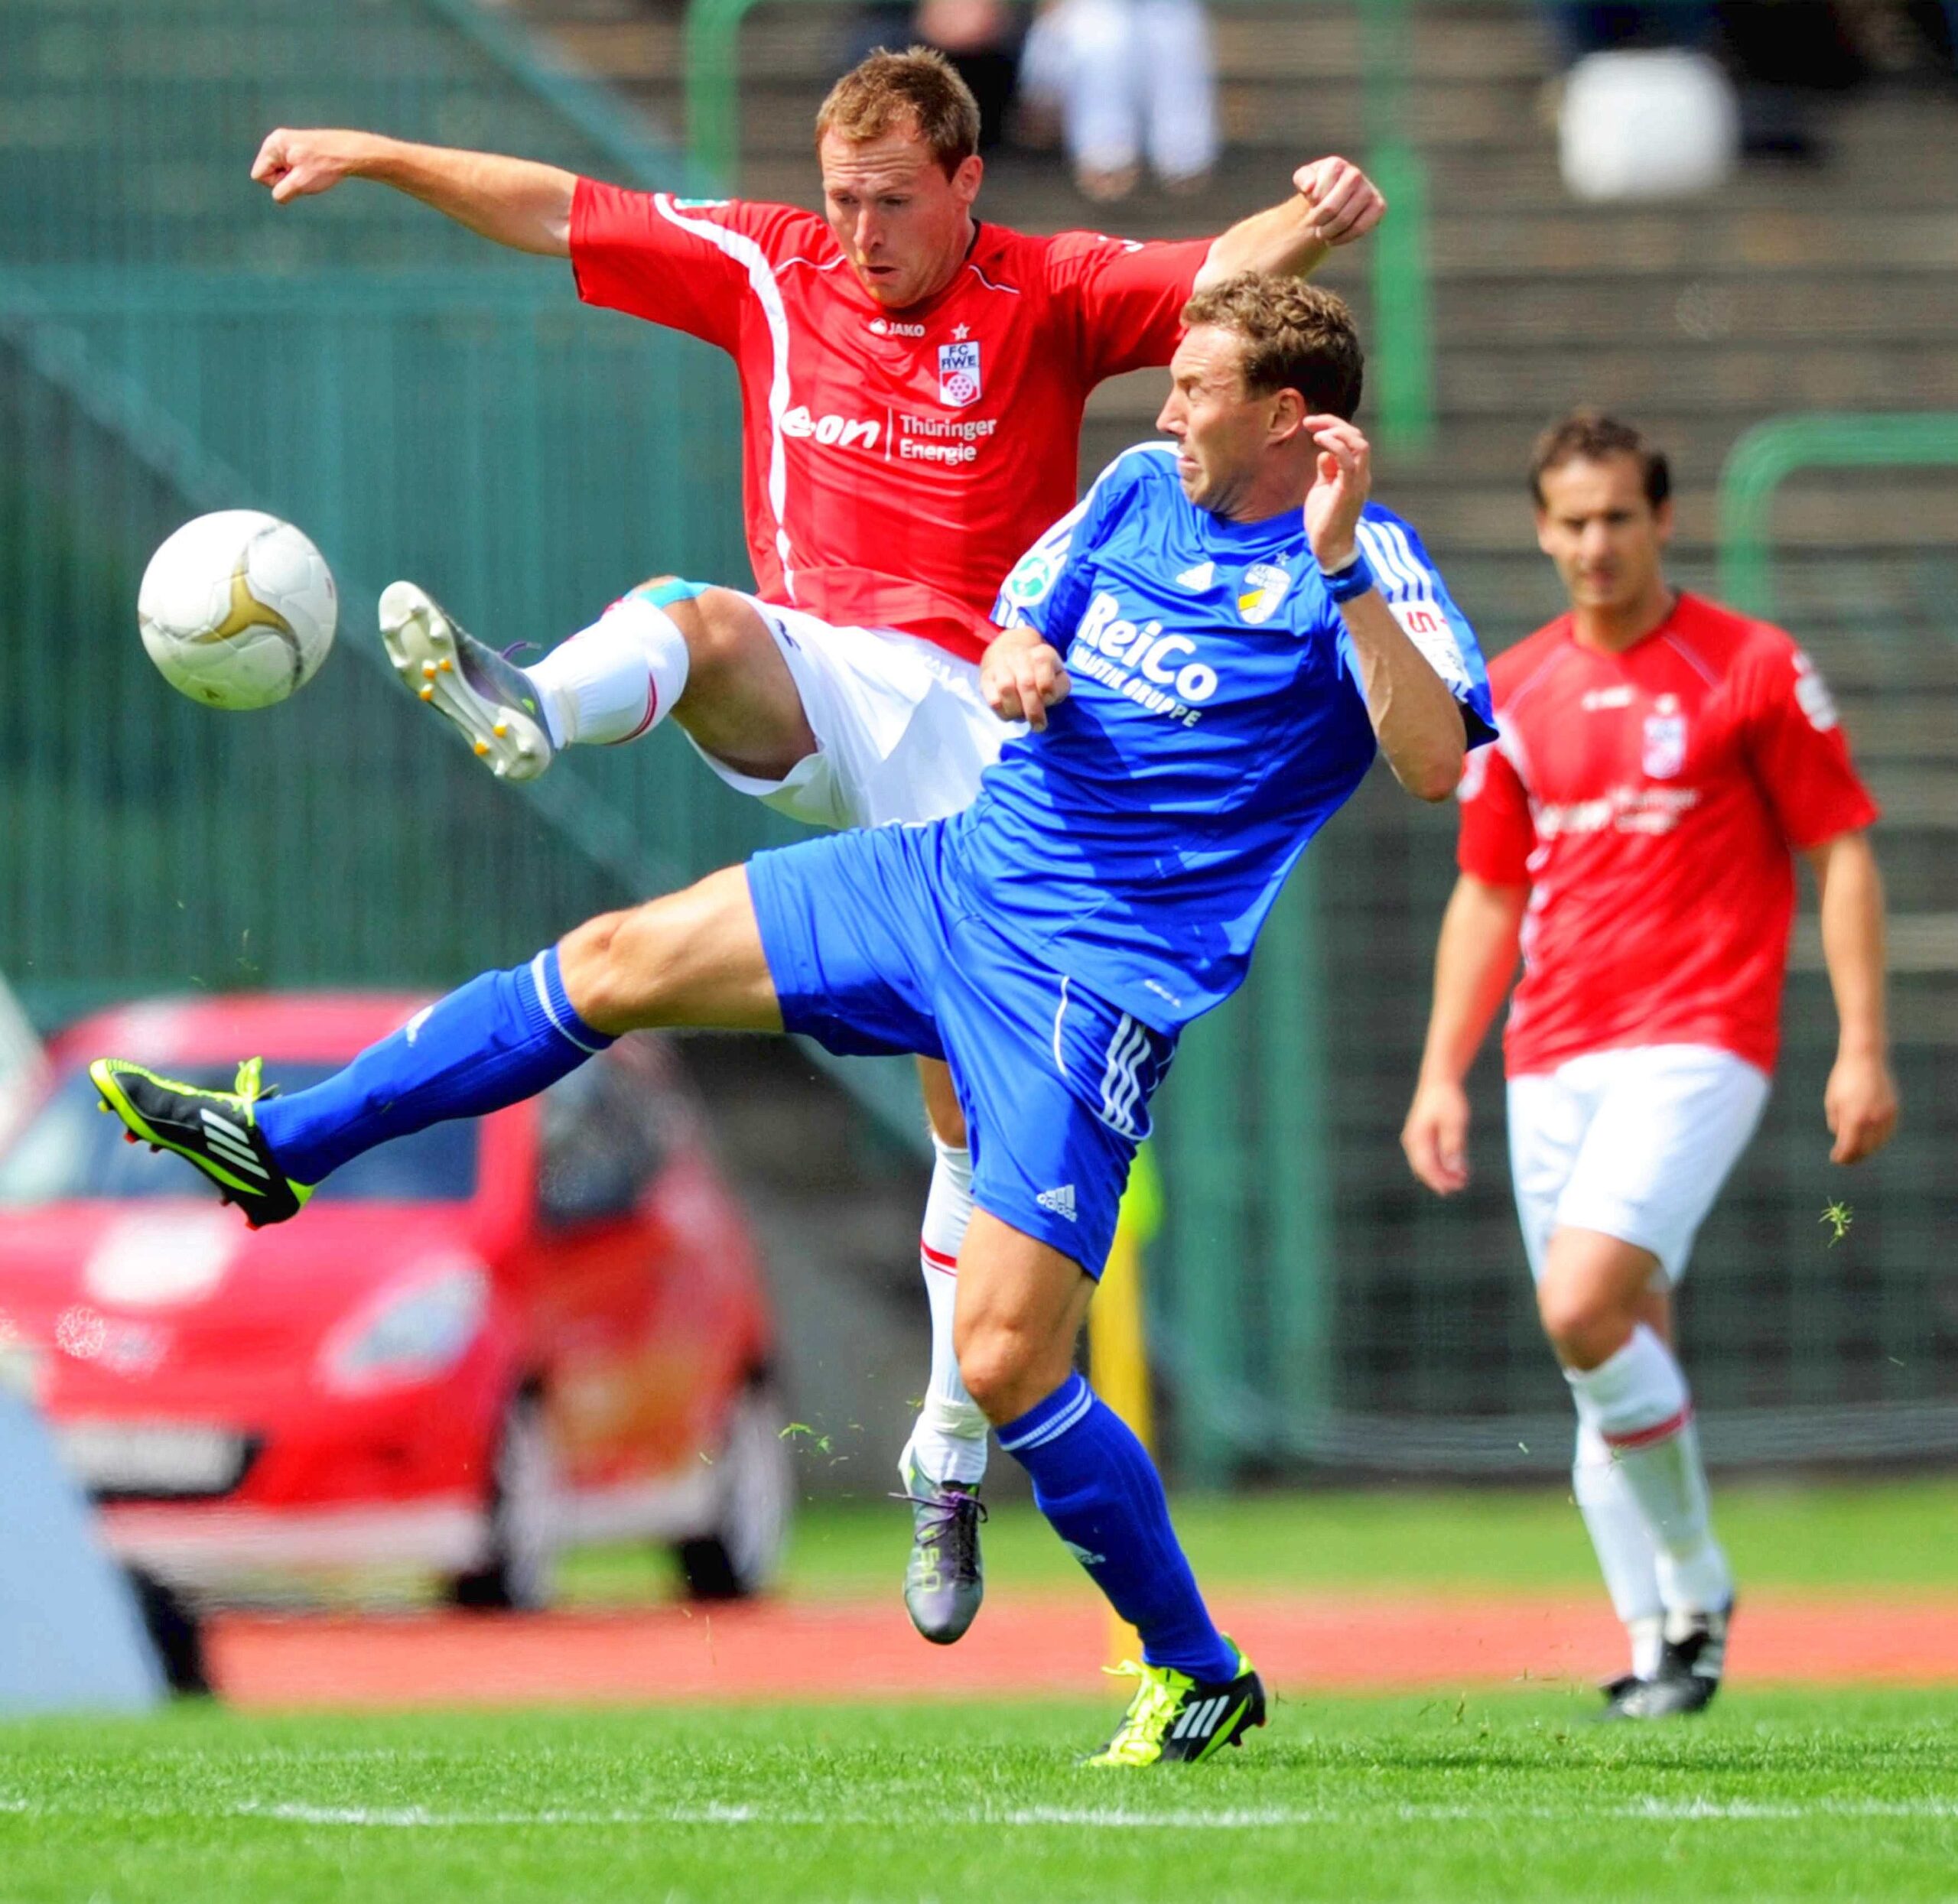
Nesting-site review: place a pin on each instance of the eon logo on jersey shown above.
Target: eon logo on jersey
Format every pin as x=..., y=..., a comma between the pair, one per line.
x=958, y=374
x=1154, y=670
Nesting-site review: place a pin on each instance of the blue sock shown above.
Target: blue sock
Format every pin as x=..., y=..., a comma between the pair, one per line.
x=1096, y=1486
x=501, y=1039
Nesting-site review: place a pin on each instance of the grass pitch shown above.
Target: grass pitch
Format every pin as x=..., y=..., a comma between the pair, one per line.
x=1878, y=1536
x=1513, y=1797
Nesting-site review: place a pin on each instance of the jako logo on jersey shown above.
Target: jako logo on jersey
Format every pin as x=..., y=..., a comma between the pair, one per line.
x=843, y=433
x=1199, y=578
x=1155, y=656
x=884, y=328
x=1265, y=587
x=958, y=374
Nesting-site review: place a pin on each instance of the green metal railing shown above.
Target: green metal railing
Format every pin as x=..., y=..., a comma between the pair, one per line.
x=1772, y=452
x=1402, y=348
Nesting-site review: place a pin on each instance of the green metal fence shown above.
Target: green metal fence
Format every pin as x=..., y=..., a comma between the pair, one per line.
x=169, y=343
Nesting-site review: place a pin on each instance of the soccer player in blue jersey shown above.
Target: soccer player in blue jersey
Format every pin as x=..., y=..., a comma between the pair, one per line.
x=1206, y=654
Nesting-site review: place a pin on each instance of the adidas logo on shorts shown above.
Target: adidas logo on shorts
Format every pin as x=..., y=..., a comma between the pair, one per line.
x=1061, y=1201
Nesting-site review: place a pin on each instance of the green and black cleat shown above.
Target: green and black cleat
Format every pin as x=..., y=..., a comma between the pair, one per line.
x=218, y=1131
x=1174, y=1717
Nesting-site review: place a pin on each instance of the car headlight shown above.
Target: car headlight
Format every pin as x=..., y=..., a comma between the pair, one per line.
x=418, y=1329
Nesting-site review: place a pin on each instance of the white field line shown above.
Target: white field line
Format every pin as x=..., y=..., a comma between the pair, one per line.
x=1097, y=1818
x=1074, y=1818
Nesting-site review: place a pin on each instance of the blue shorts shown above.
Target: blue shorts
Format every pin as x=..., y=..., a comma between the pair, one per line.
x=874, y=948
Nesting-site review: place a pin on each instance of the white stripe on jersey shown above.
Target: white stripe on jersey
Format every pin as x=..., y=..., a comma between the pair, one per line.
x=1407, y=584
x=1121, y=1082
x=745, y=251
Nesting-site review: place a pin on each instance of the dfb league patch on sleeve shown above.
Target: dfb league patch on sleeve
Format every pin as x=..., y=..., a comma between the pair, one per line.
x=958, y=374
x=1033, y=576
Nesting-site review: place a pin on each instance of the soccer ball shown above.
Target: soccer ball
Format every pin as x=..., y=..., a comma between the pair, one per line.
x=237, y=609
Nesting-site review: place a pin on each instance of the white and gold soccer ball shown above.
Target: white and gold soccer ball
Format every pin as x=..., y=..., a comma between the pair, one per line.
x=237, y=609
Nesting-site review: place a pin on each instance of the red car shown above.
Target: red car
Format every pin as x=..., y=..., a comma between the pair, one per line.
x=479, y=1344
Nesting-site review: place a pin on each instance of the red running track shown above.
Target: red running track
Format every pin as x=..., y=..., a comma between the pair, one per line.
x=814, y=1650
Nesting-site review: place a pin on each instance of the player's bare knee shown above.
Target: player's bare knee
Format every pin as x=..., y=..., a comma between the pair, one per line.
x=998, y=1364
x=721, y=628
x=1585, y=1325
x=613, y=970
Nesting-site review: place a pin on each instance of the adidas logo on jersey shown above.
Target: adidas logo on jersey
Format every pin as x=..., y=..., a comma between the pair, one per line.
x=1061, y=1201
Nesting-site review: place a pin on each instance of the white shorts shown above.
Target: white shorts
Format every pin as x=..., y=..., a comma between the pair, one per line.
x=1633, y=1143
x=903, y=732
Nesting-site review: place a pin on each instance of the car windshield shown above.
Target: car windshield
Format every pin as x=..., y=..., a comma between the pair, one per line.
x=70, y=1152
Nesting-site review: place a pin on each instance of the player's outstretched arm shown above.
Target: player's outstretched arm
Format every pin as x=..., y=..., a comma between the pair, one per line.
x=1860, y=1099
x=1415, y=718
x=1335, y=203
x=1474, y=961
x=1022, y=675
x=515, y=202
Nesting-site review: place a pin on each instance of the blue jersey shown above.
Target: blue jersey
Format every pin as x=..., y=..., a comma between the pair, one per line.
x=1216, y=723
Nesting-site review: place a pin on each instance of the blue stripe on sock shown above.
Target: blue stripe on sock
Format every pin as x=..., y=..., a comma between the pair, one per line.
x=547, y=974
x=1030, y=1429
x=503, y=1037
x=1100, y=1491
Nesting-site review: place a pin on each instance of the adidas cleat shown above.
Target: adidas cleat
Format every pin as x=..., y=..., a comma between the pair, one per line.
x=1689, y=1674
x=1173, y=1717
x=492, y=700
x=944, y=1580
x=217, y=1131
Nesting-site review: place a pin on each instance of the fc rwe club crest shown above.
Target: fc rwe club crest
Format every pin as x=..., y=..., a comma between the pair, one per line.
x=1665, y=745
x=958, y=374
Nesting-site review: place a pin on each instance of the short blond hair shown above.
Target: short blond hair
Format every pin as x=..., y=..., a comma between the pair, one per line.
x=916, y=91
x=1295, y=337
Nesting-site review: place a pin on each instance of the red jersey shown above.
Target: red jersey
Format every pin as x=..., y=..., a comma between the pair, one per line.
x=896, y=463
x=1649, y=800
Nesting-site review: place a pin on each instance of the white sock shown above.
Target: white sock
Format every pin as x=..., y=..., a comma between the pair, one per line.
x=1643, y=1411
x=615, y=679
x=949, y=1442
x=1626, y=1552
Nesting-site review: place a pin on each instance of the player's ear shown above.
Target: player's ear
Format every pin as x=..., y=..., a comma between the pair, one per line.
x=966, y=178
x=1662, y=521
x=1286, y=415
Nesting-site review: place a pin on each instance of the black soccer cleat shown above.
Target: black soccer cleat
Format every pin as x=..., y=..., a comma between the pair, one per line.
x=1174, y=1717
x=218, y=1131
x=944, y=1580
x=1688, y=1674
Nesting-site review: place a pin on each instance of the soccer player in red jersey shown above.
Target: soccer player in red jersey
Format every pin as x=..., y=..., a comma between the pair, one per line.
x=1662, y=762
x=913, y=381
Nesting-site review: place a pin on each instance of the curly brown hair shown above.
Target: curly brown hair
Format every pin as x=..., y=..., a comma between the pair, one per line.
x=917, y=91
x=1295, y=337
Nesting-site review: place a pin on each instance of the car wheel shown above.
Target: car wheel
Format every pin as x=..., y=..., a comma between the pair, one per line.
x=521, y=1573
x=739, y=1555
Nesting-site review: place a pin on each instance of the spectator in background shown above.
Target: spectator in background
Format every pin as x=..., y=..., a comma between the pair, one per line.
x=1781, y=54
x=1130, y=79
x=981, y=38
